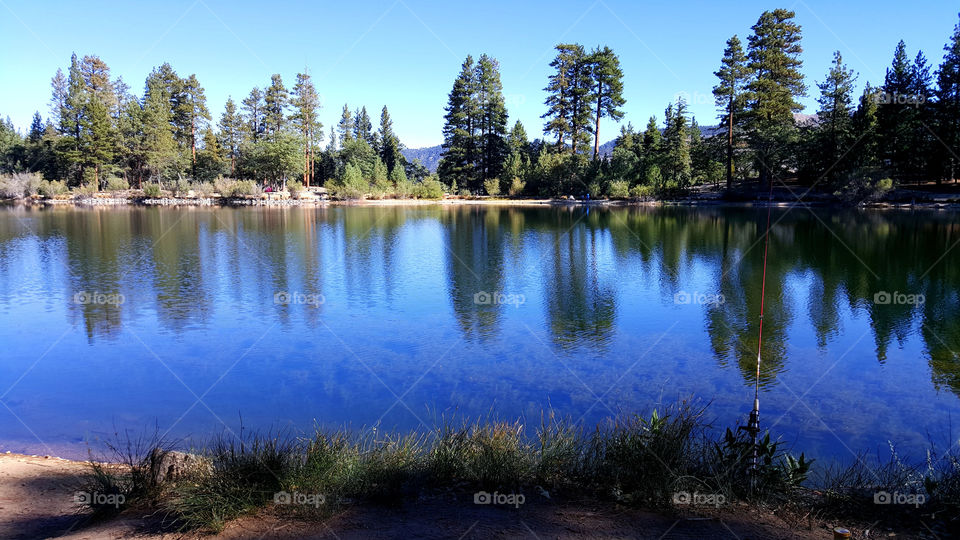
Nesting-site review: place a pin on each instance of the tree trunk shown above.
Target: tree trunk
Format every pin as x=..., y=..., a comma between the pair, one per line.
x=596, y=132
x=730, y=146
x=193, y=146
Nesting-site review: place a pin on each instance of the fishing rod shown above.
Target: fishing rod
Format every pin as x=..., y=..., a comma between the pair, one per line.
x=753, y=424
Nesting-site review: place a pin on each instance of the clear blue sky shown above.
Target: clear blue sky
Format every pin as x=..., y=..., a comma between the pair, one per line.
x=406, y=53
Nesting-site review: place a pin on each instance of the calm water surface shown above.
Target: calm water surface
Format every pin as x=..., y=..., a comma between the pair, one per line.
x=198, y=321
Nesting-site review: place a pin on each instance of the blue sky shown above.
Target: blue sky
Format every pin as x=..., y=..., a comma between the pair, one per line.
x=406, y=53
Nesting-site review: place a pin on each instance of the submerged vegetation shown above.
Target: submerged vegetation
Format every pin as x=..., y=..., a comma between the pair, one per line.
x=101, y=136
x=655, y=460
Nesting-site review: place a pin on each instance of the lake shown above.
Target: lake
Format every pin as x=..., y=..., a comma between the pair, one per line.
x=197, y=321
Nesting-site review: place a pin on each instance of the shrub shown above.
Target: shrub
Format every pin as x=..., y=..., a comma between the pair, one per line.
x=492, y=186
x=52, y=188
x=152, y=190
x=295, y=187
x=224, y=186
x=204, y=190
x=352, y=185
x=115, y=183
x=404, y=188
x=181, y=187
x=516, y=187
x=430, y=188
x=19, y=185
x=862, y=187
x=619, y=189
x=84, y=190
x=642, y=192
x=246, y=188
x=594, y=190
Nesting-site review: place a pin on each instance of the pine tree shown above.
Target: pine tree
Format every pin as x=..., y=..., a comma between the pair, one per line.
x=865, y=129
x=275, y=99
x=159, y=146
x=306, y=104
x=676, y=141
x=231, y=128
x=364, y=127
x=389, y=144
x=36, y=128
x=835, y=130
x=895, y=117
x=607, y=89
x=492, y=125
x=776, y=83
x=948, y=106
x=195, y=105
x=729, y=94
x=459, y=139
x=569, y=101
x=346, y=125
x=652, y=148
x=253, y=112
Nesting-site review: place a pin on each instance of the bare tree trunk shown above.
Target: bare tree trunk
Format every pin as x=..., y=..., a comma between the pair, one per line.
x=730, y=144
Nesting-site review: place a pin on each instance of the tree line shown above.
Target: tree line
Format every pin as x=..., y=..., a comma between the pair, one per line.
x=901, y=130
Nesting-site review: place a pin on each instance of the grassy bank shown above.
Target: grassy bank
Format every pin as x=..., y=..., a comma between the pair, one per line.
x=667, y=458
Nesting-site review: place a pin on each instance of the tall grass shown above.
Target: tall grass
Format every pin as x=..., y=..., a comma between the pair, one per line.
x=643, y=460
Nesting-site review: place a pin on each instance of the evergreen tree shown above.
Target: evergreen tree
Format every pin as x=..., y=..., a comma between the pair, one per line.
x=159, y=147
x=652, y=148
x=364, y=127
x=774, y=62
x=729, y=94
x=865, y=129
x=492, y=125
x=948, y=107
x=36, y=128
x=569, y=102
x=253, y=113
x=676, y=164
x=607, y=89
x=231, y=128
x=275, y=99
x=835, y=131
x=346, y=125
x=896, y=117
x=389, y=145
x=459, y=139
x=195, y=105
x=306, y=104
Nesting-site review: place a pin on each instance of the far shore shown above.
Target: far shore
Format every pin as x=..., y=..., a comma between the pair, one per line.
x=898, y=199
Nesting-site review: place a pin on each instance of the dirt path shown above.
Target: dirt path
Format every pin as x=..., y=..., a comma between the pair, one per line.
x=37, y=501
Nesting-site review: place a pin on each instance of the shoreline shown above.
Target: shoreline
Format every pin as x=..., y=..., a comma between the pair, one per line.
x=713, y=202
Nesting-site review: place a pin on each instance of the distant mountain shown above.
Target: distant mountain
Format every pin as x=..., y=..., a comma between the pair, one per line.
x=430, y=156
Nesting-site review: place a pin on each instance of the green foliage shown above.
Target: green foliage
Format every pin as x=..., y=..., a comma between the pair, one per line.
x=115, y=183
x=619, y=189
x=152, y=190
x=295, y=187
x=52, y=188
x=492, y=186
x=203, y=190
x=430, y=188
x=864, y=187
x=352, y=186
x=642, y=192
x=516, y=187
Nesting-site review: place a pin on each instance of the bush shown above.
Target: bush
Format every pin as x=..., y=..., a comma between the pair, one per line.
x=224, y=186
x=619, y=189
x=516, y=187
x=181, y=187
x=404, y=189
x=246, y=188
x=152, y=190
x=52, y=188
x=594, y=190
x=19, y=185
x=864, y=187
x=295, y=187
x=641, y=192
x=430, y=188
x=203, y=190
x=492, y=186
x=115, y=183
x=352, y=185
x=84, y=190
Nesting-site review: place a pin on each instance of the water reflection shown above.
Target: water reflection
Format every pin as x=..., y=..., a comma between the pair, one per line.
x=600, y=285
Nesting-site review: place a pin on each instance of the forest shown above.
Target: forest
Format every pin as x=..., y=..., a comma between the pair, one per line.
x=99, y=135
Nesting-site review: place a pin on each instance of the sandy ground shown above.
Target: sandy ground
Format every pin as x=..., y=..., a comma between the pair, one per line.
x=37, y=501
